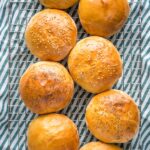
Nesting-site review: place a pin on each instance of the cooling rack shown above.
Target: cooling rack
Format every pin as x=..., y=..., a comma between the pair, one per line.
x=128, y=42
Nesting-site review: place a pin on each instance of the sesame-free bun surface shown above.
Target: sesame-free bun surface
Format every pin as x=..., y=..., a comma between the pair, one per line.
x=58, y=4
x=52, y=132
x=95, y=64
x=51, y=34
x=46, y=87
x=105, y=17
x=113, y=117
x=99, y=146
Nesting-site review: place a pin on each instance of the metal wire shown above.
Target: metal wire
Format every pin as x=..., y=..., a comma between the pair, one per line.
x=20, y=58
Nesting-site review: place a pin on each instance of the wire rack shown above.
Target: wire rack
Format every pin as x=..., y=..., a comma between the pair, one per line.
x=128, y=42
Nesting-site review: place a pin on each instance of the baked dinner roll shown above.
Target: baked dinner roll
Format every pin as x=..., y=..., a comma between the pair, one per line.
x=95, y=64
x=113, y=117
x=58, y=4
x=51, y=34
x=46, y=87
x=99, y=146
x=105, y=17
x=52, y=132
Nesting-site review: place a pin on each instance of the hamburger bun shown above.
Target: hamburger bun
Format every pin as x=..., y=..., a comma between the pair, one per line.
x=51, y=34
x=46, y=87
x=52, y=132
x=58, y=4
x=95, y=64
x=105, y=18
x=99, y=146
x=113, y=117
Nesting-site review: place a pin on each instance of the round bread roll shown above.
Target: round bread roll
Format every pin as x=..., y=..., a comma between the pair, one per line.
x=46, y=87
x=51, y=34
x=95, y=64
x=52, y=132
x=58, y=4
x=99, y=146
x=113, y=117
x=105, y=17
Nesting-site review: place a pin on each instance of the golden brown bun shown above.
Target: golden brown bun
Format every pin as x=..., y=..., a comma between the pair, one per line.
x=46, y=87
x=105, y=17
x=95, y=64
x=99, y=146
x=113, y=117
x=52, y=132
x=58, y=4
x=51, y=34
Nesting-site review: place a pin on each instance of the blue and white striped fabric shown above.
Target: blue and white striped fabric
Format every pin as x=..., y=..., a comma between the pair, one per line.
x=133, y=43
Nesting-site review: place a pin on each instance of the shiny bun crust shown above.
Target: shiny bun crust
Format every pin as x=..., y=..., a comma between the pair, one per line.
x=99, y=146
x=46, y=87
x=113, y=117
x=95, y=64
x=58, y=4
x=52, y=132
x=105, y=17
x=51, y=34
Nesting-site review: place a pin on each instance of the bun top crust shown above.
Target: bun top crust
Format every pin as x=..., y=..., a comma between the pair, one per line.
x=58, y=4
x=105, y=17
x=95, y=64
x=51, y=34
x=99, y=146
x=52, y=132
x=46, y=87
x=113, y=117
